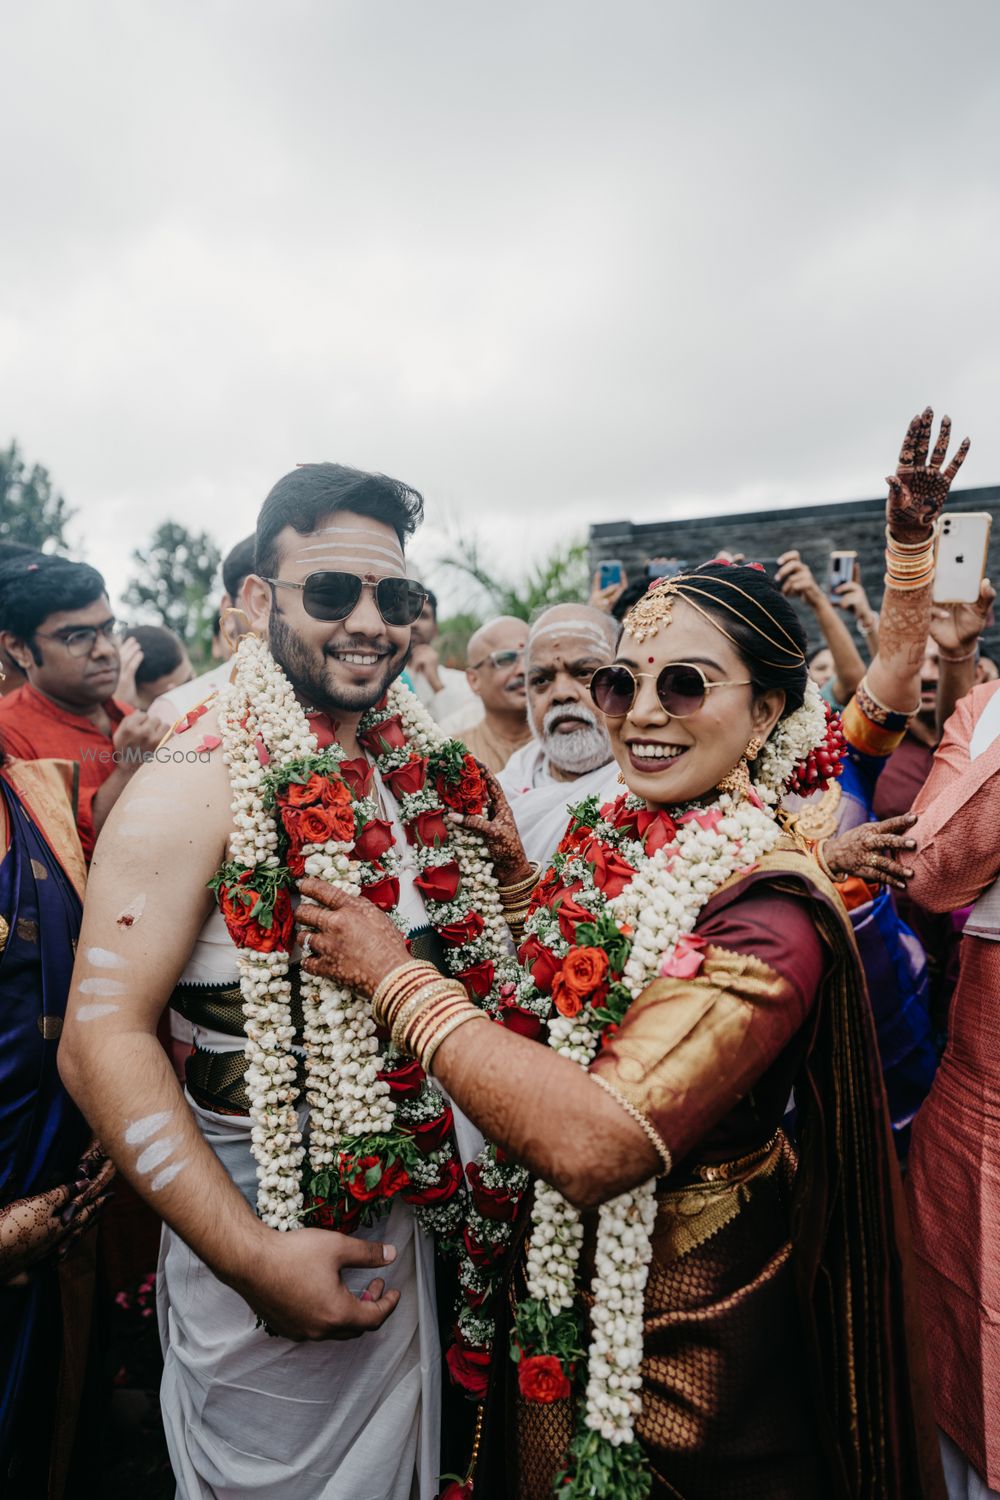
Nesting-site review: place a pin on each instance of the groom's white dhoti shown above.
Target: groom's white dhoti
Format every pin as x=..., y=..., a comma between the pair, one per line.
x=248, y=1414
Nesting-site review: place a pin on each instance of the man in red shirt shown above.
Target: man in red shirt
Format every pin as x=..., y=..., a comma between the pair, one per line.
x=56, y=624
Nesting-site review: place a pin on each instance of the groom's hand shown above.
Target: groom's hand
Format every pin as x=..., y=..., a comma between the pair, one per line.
x=295, y=1285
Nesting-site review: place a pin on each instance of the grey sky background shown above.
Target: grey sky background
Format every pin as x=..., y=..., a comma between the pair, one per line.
x=552, y=263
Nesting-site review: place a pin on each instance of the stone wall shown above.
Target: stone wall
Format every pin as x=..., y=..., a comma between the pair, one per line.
x=816, y=530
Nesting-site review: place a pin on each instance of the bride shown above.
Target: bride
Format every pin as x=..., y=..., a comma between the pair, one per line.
x=698, y=1302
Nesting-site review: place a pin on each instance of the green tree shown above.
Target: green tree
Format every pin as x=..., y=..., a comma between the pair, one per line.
x=175, y=580
x=31, y=512
x=561, y=577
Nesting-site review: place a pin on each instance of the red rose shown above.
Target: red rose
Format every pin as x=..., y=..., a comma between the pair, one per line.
x=540, y=961
x=354, y=1171
x=429, y=1135
x=428, y=828
x=658, y=832
x=465, y=931
x=440, y=882
x=358, y=776
x=406, y=778
x=574, y=838
x=478, y=980
x=523, y=1022
x=611, y=873
x=584, y=972
x=303, y=793
x=322, y=1213
x=374, y=840
x=540, y=1377
x=405, y=1082
x=387, y=735
x=447, y=1185
x=469, y=1368
x=570, y=914
x=493, y=1203
x=456, y=1491
x=359, y=1172
x=245, y=929
x=565, y=999
x=394, y=1179
x=469, y=793
x=482, y=1256
x=315, y=825
x=382, y=893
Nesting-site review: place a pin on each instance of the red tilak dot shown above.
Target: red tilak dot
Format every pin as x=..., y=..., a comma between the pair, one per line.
x=650, y=660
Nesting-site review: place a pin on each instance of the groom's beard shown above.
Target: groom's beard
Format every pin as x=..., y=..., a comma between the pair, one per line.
x=320, y=679
x=580, y=750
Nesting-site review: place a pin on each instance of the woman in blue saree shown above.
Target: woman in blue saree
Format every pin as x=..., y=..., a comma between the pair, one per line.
x=53, y=1180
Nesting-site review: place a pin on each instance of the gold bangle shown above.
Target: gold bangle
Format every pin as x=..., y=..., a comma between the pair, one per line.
x=652, y=1134
x=892, y=541
x=424, y=1002
x=394, y=977
x=437, y=1009
x=820, y=859
x=521, y=887
x=427, y=1055
x=952, y=660
x=400, y=999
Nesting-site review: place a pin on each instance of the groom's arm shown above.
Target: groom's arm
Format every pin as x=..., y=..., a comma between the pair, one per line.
x=146, y=904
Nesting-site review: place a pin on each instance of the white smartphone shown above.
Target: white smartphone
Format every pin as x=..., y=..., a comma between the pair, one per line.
x=843, y=569
x=960, y=567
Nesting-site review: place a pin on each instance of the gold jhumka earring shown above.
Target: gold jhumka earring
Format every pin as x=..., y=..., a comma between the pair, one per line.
x=737, y=781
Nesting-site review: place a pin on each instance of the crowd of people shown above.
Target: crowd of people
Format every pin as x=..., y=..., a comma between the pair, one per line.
x=706, y=1210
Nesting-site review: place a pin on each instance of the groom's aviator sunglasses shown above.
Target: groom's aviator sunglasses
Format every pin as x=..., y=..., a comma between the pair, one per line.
x=681, y=688
x=333, y=596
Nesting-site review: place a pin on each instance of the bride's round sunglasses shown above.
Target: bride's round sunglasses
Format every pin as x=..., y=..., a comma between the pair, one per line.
x=681, y=688
x=333, y=596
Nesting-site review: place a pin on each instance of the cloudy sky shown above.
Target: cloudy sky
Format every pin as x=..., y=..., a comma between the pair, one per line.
x=551, y=261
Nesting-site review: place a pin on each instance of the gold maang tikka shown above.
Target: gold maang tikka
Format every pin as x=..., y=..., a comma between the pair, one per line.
x=651, y=611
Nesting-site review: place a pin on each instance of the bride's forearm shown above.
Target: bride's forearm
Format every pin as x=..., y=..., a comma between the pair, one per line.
x=547, y=1112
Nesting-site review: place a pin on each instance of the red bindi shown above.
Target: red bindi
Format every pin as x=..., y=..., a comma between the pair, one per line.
x=650, y=660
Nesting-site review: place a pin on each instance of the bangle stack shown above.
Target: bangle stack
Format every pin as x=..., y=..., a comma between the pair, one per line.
x=515, y=901
x=420, y=1008
x=909, y=565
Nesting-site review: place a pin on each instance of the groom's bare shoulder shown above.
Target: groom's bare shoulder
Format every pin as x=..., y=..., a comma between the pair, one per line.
x=178, y=801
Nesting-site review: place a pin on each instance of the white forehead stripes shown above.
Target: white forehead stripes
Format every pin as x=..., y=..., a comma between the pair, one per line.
x=354, y=543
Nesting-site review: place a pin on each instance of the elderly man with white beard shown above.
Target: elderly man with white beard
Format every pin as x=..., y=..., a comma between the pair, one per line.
x=569, y=756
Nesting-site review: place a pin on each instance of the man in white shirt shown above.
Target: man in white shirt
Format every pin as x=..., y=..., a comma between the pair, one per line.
x=570, y=756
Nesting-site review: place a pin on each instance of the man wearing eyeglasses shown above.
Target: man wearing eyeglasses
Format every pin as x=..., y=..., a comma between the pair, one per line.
x=57, y=625
x=496, y=676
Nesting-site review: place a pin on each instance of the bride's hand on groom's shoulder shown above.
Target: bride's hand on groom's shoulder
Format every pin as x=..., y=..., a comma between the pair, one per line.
x=294, y=1285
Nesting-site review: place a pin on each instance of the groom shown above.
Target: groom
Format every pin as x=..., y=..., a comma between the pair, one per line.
x=246, y=1412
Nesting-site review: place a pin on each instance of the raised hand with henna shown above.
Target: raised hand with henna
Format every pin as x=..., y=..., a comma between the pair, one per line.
x=499, y=833
x=869, y=851
x=919, y=488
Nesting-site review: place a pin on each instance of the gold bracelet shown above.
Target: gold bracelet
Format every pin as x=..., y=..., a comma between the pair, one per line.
x=520, y=888
x=425, y=1002
x=422, y=1025
x=892, y=541
x=820, y=859
x=427, y=1055
x=652, y=1134
x=394, y=977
